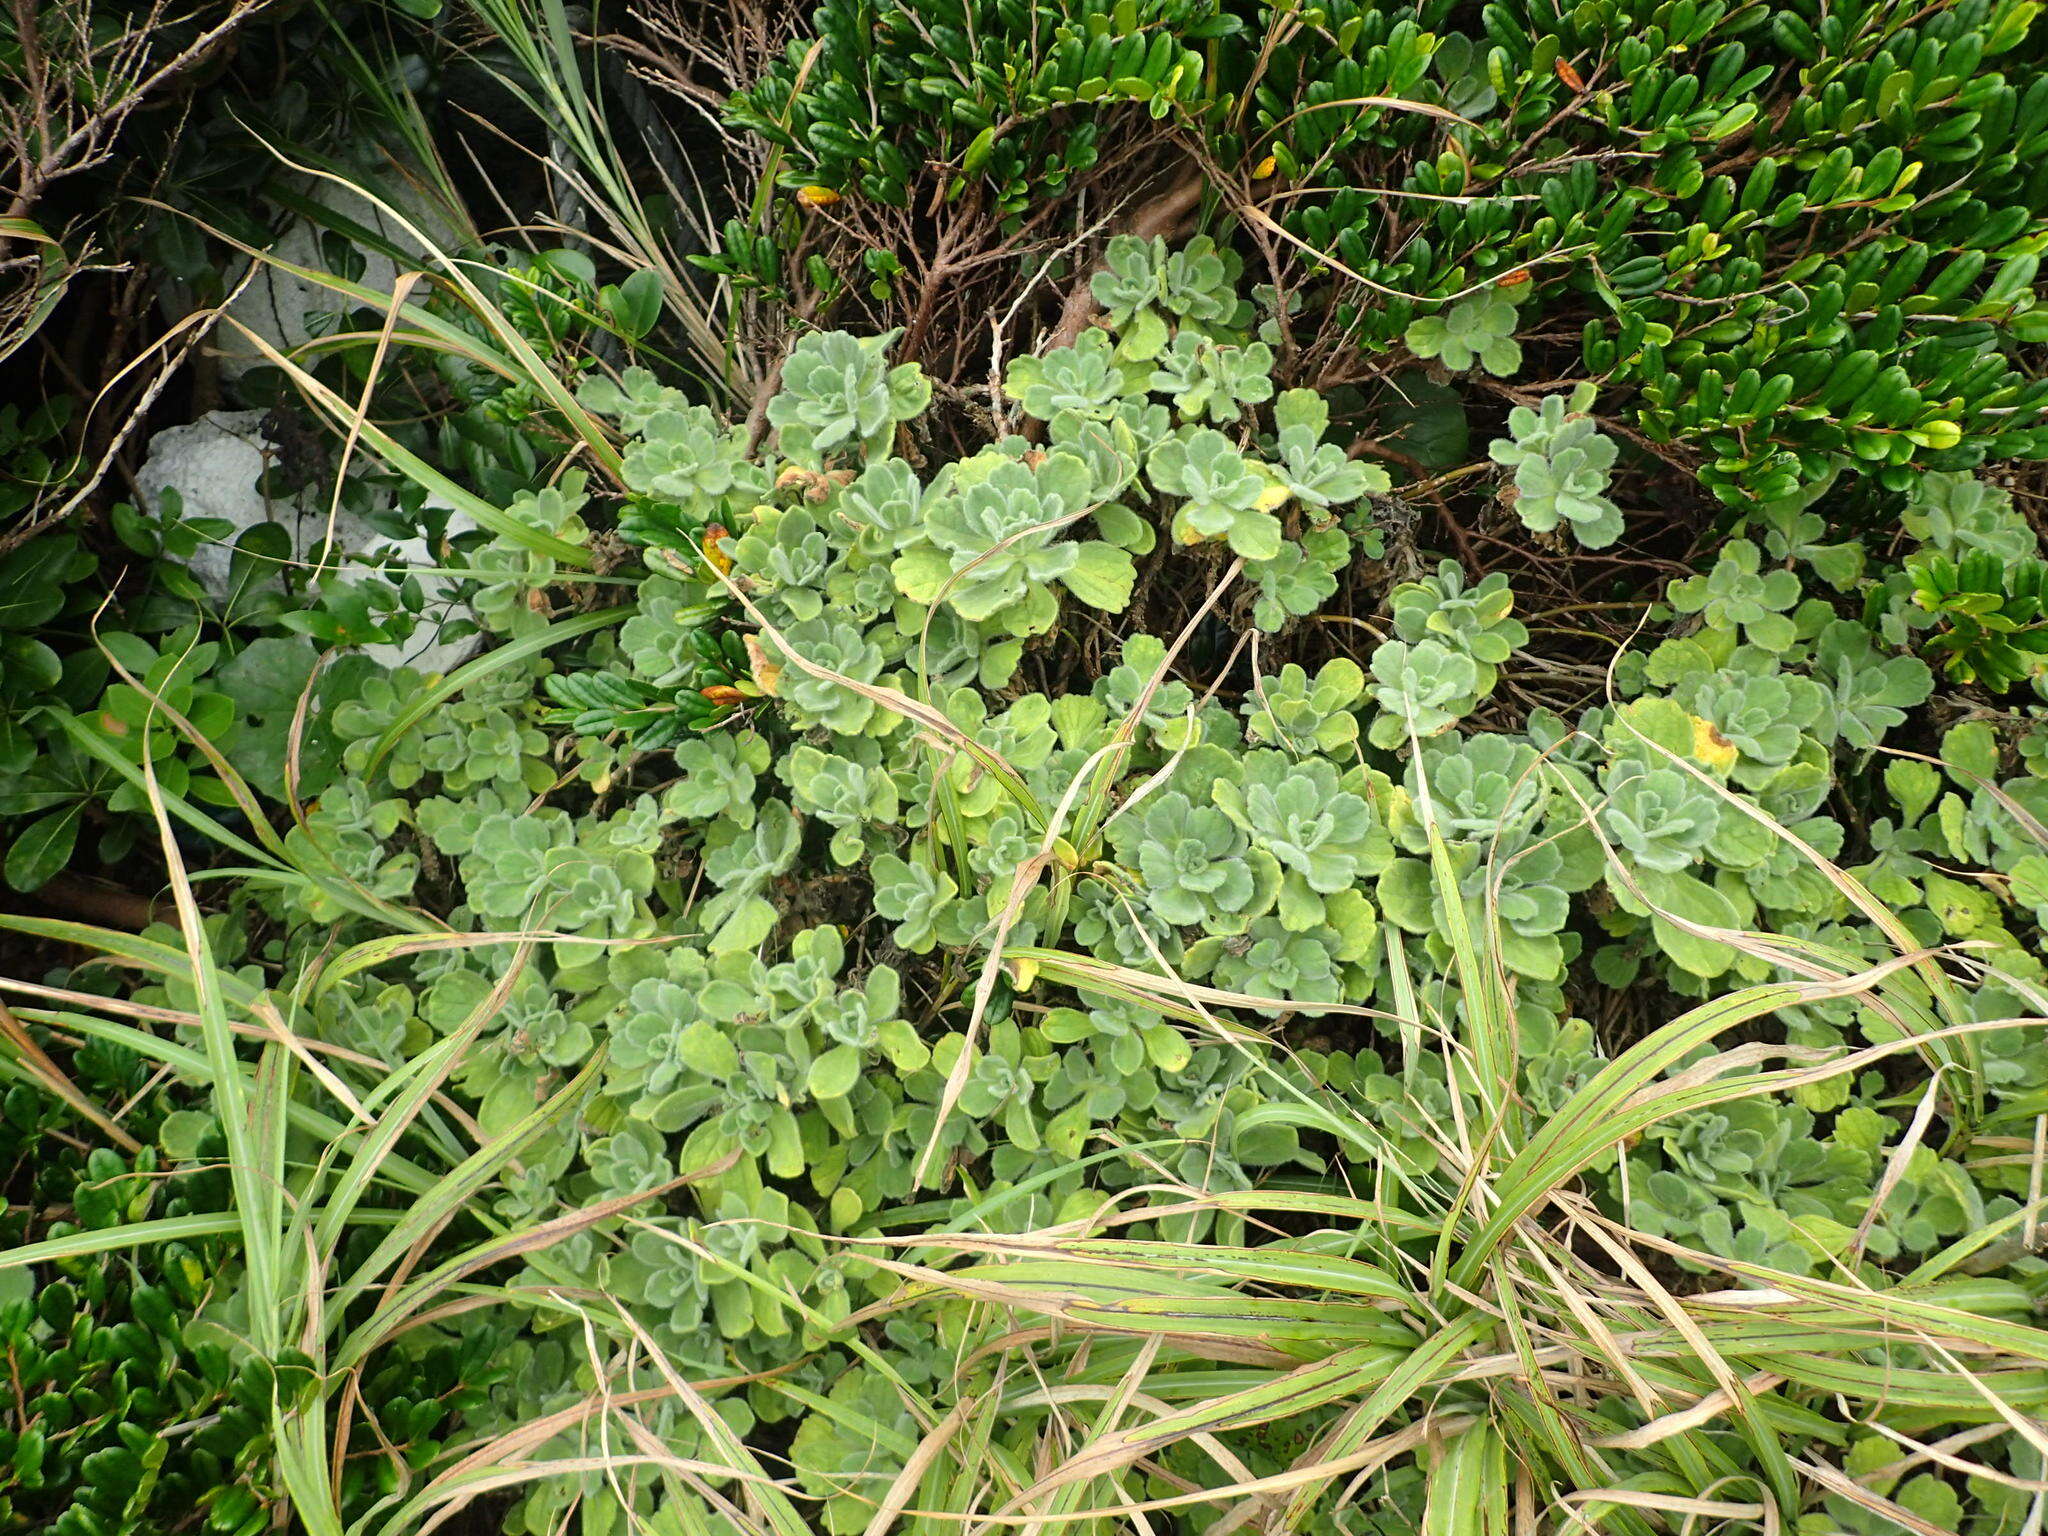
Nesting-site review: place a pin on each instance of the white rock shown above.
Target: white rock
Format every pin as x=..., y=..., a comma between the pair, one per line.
x=215, y=465
x=276, y=303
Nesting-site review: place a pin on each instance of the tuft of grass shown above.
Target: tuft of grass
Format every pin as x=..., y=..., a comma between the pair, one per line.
x=1538, y=1362
x=325, y=1145
x=557, y=82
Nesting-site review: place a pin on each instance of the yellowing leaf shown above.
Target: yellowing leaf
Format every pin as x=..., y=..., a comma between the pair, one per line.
x=767, y=674
x=1710, y=747
x=715, y=539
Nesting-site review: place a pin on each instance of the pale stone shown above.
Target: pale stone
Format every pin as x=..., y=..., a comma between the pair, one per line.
x=215, y=465
x=277, y=304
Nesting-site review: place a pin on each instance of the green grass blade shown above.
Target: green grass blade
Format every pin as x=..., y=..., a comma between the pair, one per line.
x=134, y=1234
x=456, y=1188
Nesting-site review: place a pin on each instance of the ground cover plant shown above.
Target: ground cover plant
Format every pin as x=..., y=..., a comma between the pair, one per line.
x=1217, y=766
